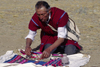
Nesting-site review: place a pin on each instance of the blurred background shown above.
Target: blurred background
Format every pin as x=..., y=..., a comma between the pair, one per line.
x=16, y=14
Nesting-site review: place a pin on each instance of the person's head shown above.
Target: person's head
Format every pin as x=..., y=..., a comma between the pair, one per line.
x=42, y=10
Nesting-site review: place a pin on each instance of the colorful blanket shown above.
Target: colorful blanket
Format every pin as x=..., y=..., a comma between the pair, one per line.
x=21, y=60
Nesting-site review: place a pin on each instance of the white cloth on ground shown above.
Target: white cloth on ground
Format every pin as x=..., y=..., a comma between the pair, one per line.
x=75, y=60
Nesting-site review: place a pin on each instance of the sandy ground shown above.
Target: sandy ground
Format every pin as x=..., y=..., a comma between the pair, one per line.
x=16, y=14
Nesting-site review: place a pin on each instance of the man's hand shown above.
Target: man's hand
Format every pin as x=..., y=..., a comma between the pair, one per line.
x=28, y=51
x=46, y=53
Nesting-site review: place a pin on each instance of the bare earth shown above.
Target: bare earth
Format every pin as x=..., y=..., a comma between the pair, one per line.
x=16, y=14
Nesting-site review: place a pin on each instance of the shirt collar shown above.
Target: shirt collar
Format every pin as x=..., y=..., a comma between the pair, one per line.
x=49, y=18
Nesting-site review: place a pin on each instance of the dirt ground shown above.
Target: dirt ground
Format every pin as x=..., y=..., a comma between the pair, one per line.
x=16, y=14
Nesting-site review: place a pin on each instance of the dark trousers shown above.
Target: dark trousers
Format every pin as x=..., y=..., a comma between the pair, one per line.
x=67, y=49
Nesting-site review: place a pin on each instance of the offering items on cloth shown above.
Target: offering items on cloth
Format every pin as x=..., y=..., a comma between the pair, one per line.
x=55, y=60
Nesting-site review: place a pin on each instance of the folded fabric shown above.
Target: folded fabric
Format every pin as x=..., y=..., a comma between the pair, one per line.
x=56, y=62
x=22, y=60
x=8, y=55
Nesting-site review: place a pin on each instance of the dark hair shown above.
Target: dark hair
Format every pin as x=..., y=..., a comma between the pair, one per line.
x=40, y=4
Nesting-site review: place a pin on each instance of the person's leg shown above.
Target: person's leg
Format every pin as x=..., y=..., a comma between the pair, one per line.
x=47, y=45
x=60, y=49
x=71, y=49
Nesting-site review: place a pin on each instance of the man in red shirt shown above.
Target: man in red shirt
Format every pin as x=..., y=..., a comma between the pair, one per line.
x=51, y=41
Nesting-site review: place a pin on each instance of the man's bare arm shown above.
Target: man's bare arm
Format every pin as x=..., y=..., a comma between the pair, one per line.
x=28, y=46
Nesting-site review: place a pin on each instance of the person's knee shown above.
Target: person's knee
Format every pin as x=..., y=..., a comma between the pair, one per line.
x=70, y=49
x=48, y=45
